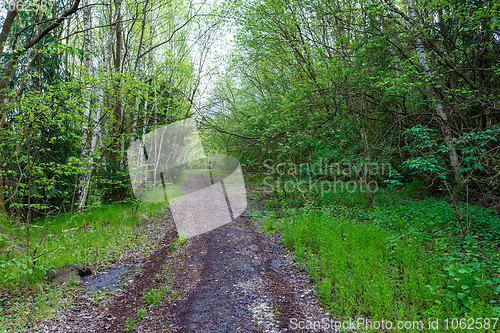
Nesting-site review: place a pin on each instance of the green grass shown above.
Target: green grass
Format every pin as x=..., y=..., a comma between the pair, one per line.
x=153, y=297
x=96, y=237
x=22, y=310
x=401, y=259
x=133, y=322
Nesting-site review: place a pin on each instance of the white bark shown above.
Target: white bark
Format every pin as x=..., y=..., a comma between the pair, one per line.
x=140, y=73
x=438, y=105
x=91, y=124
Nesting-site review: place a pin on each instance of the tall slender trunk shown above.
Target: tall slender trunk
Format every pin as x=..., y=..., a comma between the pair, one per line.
x=139, y=64
x=438, y=104
x=119, y=117
x=91, y=125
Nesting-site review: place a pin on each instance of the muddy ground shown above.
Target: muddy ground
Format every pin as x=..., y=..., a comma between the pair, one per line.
x=236, y=278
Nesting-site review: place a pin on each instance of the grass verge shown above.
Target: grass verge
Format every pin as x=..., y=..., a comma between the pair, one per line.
x=399, y=260
x=97, y=238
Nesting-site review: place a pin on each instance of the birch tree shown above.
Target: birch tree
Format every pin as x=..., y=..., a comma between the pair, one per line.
x=91, y=124
x=438, y=104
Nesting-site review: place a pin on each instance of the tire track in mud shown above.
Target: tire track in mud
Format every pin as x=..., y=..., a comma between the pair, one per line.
x=126, y=305
x=247, y=283
x=222, y=301
x=235, y=278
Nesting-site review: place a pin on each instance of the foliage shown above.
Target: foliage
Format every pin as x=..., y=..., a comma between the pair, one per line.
x=97, y=237
x=396, y=262
x=348, y=81
x=94, y=236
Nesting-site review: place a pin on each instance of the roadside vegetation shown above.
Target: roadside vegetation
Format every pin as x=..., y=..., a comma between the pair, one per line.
x=373, y=127
x=80, y=82
x=96, y=237
x=403, y=258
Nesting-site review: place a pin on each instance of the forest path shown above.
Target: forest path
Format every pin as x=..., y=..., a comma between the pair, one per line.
x=233, y=279
x=236, y=278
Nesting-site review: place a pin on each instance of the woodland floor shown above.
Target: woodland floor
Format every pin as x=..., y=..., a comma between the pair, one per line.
x=236, y=278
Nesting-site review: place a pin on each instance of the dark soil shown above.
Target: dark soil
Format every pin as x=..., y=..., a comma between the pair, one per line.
x=125, y=306
x=233, y=279
x=236, y=278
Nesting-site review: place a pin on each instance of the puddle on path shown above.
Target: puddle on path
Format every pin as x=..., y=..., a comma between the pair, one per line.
x=111, y=279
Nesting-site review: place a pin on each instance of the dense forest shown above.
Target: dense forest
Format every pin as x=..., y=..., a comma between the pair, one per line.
x=399, y=99
x=413, y=85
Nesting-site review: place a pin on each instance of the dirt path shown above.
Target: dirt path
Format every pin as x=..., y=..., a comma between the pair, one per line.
x=245, y=285
x=233, y=279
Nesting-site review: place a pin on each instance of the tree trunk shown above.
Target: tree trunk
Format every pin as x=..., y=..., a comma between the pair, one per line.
x=438, y=104
x=91, y=125
x=118, y=124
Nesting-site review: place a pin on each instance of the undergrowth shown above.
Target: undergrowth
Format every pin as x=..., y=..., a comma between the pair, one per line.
x=97, y=237
x=400, y=259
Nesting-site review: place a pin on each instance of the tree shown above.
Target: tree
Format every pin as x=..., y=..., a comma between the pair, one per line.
x=9, y=64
